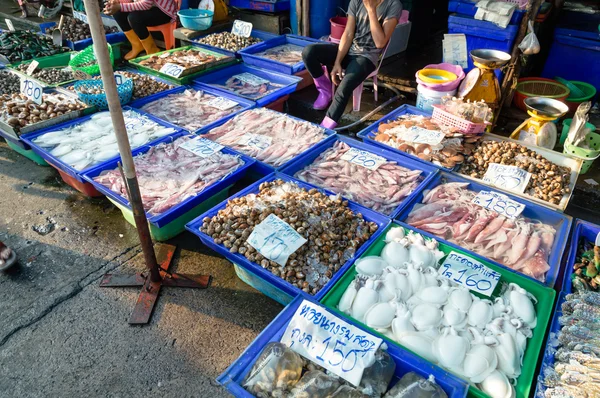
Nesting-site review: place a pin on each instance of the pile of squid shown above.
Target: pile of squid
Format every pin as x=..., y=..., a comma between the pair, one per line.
x=522, y=244
x=576, y=350
x=401, y=295
x=382, y=189
x=281, y=372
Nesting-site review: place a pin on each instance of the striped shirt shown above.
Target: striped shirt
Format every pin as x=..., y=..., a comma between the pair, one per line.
x=169, y=7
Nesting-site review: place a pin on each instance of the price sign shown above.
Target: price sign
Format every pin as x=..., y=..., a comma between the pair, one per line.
x=363, y=158
x=32, y=67
x=241, y=28
x=202, y=147
x=598, y=239
x=251, y=79
x=420, y=135
x=173, y=70
x=118, y=78
x=257, y=141
x=275, y=239
x=499, y=203
x=222, y=103
x=32, y=90
x=330, y=342
x=507, y=177
x=470, y=273
x=10, y=25
x=81, y=75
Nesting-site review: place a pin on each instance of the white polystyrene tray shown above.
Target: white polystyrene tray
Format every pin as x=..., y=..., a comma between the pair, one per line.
x=557, y=158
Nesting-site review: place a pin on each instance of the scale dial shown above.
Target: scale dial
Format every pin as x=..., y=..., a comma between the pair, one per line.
x=469, y=82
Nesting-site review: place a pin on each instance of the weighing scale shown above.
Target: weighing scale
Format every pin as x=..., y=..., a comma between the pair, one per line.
x=539, y=129
x=481, y=82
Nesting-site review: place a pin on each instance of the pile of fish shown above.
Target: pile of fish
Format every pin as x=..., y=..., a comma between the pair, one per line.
x=586, y=271
x=401, y=295
x=9, y=82
x=88, y=143
x=228, y=41
x=447, y=152
x=190, y=58
x=576, y=349
x=333, y=232
x=22, y=45
x=382, y=189
x=289, y=54
x=19, y=111
x=168, y=174
x=281, y=372
x=522, y=244
x=243, y=87
x=266, y=135
x=190, y=109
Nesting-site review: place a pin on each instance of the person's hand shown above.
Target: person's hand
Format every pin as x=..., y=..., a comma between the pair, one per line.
x=337, y=74
x=112, y=7
x=370, y=5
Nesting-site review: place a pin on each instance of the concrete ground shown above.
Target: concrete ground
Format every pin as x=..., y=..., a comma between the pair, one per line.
x=63, y=336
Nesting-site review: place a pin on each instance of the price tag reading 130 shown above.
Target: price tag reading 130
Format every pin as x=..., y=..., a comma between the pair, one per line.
x=507, y=177
x=32, y=90
x=470, y=273
x=202, y=147
x=330, y=342
x=241, y=28
x=499, y=203
x=363, y=158
x=275, y=239
x=172, y=70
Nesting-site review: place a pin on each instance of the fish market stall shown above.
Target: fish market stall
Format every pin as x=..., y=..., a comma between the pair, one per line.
x=393, y=369
x=23, y=45
x=327, y=233
x=370, y=176
x=195, y=110
x=230, y=43
x=483, y=322
x=255, y=84
x=271, y=137
x=180, y=178
x=75, y=147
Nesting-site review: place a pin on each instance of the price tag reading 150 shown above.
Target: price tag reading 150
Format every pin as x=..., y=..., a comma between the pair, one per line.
x=362, y=158
x=275, y=239
x=32, y=90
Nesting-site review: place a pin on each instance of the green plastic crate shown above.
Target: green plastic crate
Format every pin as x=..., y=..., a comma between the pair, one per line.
x=54, y=61
x=176, y=226
x=535, y=344
x=29, y=154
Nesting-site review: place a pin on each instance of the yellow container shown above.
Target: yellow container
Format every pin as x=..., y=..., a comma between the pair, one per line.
x=435, y=76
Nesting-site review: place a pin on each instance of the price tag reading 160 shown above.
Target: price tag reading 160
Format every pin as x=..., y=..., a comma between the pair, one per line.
x=470, y=273
x=32, y=90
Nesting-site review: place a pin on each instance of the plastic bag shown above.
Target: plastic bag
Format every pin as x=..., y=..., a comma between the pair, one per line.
x=346, y=391
x=315, y=384
x=276, y=370
x=530, y=44
x=376, y=378
x=411, y=385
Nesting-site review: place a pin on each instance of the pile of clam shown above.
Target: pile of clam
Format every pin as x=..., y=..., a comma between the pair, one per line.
x=401, y=295
x=19, y=111
x=228, y=41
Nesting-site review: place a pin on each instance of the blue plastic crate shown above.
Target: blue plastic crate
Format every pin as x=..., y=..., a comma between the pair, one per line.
x=265, y=6
x=65, y=168
x=221, y=76
x=163, y=219
x=235, y=374
x=302, y=161
x=548, y=354
x=260, y=272
x=111, y=38
x=468, y=9
x=258, y=34
x=244, y=103
x=249, y=54
x=581, y=229
x=561, y=222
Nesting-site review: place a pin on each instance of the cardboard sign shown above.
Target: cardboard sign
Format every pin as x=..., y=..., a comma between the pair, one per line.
x=275, y=239
x=202, y=147
x=172, y=70
x=363, y=158
x=32, y=90
x=222, y=103
x=81, y=75
x=257, y=141
x=499, y=203
x=251, y=79
x=507, y=177
x=241, y=28
x=470, y=273
x=32, y=67
x=10, y=25
x=420, y=135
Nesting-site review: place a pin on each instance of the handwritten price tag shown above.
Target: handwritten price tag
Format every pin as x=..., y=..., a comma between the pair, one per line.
x=470, y=273
x=420, y=135
x=81, y=75
x=330, y=342
x=32, y=67
x=499, y=203
x=241, y=28
x=222, y=103
x=275, y=239
x=10, y=25
x=363, y=158
x=172, y=70
x=32, y=90
x=251, y=79
x=202, y=147
x=507, y=177
x=118, y=78
x=256, y=141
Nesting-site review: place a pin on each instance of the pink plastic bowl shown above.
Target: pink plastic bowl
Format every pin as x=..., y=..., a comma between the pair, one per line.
x=449, y=86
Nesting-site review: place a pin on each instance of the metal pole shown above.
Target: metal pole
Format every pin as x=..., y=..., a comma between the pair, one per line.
x=114, y=106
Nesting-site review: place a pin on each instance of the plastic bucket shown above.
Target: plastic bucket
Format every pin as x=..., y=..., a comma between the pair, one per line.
x=427, y=98
x=196, y=19
x=453, y=85
x=567, y=126
x=589, y=94
x=587, y=155
x=338, y=25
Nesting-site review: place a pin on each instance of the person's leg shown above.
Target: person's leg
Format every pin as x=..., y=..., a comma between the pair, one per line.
x=122, y=19
x=315, y=57
x=139, y=22
x=357, y=70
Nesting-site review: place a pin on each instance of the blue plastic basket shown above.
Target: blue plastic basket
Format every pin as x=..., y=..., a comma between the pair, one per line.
x=196, y=19
x=581, y=229
x=163, y=219
x=428, y=171
x=468, y=9
x=244, y=103
x=235, y=374
x=260, y=272
x=217, y=79
x=561, y=222
x=124, y=89
x=548, y=360
x=249, y=54
x=67, y=169
x=258, y=34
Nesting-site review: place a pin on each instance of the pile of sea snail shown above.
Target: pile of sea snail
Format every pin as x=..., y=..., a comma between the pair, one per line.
x=49, y=75
x=333, y=231
x=19, y=111
x=549, y=182
x=75, y=30
x=144, y=85
x=228, y=41
x=9, y=82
